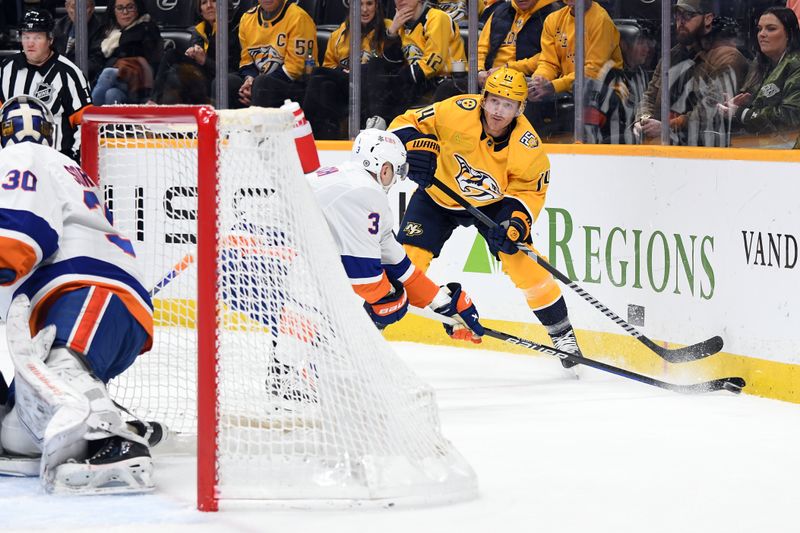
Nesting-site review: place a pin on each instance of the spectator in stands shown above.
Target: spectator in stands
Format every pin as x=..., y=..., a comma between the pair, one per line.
x=456, y=9
x=279, y=45
x=554, y=75
x=770, y=99
x=612, y=97
x=40, y=71
x=327, y=95
x=705, y=66
x=132, y=47
x=64, y=40
x=512, y=37
x=186, y=77
x=555, y=71
x=794, y=5
x=431, y=44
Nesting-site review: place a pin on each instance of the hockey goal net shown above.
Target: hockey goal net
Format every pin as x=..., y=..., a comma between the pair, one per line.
x=261, y=348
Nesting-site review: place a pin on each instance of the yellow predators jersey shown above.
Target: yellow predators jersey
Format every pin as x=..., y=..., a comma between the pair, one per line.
x=338, y=52
x=480, y=168
x=557, y=60
x=281, y=42
x=507, y=53
x=433, y=43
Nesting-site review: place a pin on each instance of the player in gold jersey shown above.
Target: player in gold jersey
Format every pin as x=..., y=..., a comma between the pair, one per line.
x=483, y=148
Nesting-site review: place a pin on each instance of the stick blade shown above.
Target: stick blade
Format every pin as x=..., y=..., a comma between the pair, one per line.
x=731, y=384
x=690, y=353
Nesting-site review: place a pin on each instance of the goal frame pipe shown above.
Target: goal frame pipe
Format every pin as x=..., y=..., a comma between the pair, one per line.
x=206, y=119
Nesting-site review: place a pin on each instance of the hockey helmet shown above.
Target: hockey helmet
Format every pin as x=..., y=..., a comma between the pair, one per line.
x=508, y=83
x=373, y=147
x=26, y=119
x=38, y=20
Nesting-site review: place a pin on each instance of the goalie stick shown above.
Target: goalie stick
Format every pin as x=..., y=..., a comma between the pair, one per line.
x=730, y=384
x=673, y=355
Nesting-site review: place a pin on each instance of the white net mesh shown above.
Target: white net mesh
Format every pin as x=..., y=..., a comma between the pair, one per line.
x=313, y=403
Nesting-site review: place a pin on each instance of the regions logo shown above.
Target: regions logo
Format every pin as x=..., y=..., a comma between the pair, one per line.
x=529, y=139
x=43, y=92
x=413, y=229
x=467, y=104
x=166, y=5
x=475, y=183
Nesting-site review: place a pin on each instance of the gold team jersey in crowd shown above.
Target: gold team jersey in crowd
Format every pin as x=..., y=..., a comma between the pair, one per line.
x=283, y=41
x=482, y=169
x=557, y=60
x=338, y=52
x=507, y=53
x=433, y=43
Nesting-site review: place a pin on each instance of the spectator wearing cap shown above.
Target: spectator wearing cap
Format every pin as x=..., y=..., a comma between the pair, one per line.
x=769, y=103
x=64, y=36
x=40, y=71
x=704, y=68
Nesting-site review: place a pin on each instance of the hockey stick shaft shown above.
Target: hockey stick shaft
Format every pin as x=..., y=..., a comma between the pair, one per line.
x=731, y=384
x=179, y=267
x=678, y=355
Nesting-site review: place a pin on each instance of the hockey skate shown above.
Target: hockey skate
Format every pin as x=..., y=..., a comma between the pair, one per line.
x=154, y=432
x=291, y=385
x=566, y=342
x=115, y=465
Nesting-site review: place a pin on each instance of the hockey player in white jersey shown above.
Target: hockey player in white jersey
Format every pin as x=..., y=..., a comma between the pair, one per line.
x=353, y=199
x=76, y=289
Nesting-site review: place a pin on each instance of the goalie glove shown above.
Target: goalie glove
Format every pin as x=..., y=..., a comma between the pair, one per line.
x=452, y=301
x=513, y=226
x=421, y=157
x=390, y=308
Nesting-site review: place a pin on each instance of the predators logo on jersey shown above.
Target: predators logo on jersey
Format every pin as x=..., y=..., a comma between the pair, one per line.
x=475, y=183
x=266, y=58
x=412, y=53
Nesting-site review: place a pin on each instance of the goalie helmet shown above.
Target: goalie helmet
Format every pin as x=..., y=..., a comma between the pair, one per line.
x=373, y=147
x=26, y=119
x=508, y=83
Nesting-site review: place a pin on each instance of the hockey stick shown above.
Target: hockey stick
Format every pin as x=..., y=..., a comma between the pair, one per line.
x=179, y=267
x=730, y=384
x=674, y=355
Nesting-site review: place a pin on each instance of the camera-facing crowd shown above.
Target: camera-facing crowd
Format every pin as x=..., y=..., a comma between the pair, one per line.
x=734, y=70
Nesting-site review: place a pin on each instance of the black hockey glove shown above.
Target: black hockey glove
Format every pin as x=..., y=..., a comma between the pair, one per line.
x=513, y=226
x=421, y=158
x=390, y=308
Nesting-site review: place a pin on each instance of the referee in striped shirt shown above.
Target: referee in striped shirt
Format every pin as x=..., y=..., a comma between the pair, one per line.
x=42, y=72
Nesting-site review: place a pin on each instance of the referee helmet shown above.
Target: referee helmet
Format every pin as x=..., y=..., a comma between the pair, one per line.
x=26, y=119
x=38, y=20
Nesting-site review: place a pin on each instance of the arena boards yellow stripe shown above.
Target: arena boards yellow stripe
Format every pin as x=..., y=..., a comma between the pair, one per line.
x=769, y=379
x=675, y=152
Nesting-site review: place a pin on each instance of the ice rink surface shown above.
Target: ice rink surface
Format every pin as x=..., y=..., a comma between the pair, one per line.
x=601, y=454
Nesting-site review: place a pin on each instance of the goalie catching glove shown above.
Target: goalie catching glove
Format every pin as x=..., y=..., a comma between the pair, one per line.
x=453, y=302
x=390, y=308
x=421, y=158
x=513, y=226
